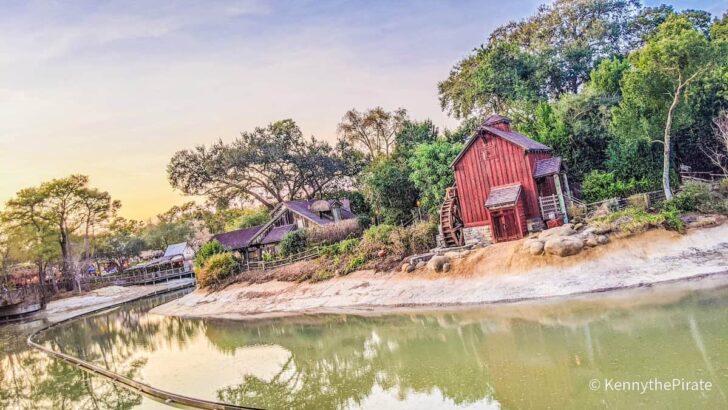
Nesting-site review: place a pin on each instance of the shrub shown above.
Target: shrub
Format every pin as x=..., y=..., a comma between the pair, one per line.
x=693, y=196
x=341, y=248
x=379, y=234
x=268, y=257
x=321, y=275
x=355, y=263
x=635, y=220
x=206, y=251
x=600, y=185
x=413, y=239
x=217, y=267
x=294, y=242
x=331, y=233
x=723, y=186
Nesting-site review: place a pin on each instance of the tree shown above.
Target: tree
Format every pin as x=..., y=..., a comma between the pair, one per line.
x=250, y=217
x=412, y=134
x=669, y=63
x=490, y=80
x=719, y=156
x=386, y=185
x=373, y=131
x=63, y=206
x=268, y=165
x=431, y=172
x=121, y=242
x=164, y=233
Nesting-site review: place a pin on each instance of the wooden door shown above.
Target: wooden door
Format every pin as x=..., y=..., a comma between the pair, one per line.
x=505, y=225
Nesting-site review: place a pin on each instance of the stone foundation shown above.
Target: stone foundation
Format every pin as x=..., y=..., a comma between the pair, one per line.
x=478, y=235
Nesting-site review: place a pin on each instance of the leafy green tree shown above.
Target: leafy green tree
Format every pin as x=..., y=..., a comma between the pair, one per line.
x=250, y=217
x=656, y=91
x=121, y=242
x=64, y=206
x=431, y=172
x=164, y=233
x=268, y=165
x=412, y=134
x=490, y=80
x=387, y=187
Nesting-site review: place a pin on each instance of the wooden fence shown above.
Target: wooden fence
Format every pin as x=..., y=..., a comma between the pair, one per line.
x=277, y=263
x=645, y=199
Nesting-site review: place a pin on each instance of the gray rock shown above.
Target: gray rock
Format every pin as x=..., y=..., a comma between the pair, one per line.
x=602, y=239
x=536, y=248
x=591, y=240
x=563, y=246
x=406, y=267
x=445, y=267
x=420, y=265
x=559, y=231
x=436, y=263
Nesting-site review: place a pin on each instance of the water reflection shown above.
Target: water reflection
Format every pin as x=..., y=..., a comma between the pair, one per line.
x=510, y=356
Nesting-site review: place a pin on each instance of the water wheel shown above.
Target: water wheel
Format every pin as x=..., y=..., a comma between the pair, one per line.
x=451, y=221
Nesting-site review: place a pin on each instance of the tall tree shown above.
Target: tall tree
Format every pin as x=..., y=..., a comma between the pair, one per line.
x=431, y=172
x=64, y=205
x=667, y=66
x=268, y=165
x=373, y=131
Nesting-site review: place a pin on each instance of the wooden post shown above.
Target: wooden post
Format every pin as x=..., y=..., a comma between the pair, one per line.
x=557, y=182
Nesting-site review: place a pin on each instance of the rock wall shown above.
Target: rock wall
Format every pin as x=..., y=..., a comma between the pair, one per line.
x=478, y=235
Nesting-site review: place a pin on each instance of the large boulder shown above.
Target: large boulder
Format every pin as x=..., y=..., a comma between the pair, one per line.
x=533, y=246
x=563, y=245
x=559, y=231
x=437, y=262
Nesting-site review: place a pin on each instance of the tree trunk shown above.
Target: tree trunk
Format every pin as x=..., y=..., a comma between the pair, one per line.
x=666, y=145
x=41, y=284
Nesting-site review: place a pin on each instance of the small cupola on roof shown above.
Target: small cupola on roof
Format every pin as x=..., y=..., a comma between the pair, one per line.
x=500, y=122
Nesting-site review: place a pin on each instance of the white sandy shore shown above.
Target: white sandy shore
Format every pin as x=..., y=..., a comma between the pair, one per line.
x=497, y=273
x=62, y=309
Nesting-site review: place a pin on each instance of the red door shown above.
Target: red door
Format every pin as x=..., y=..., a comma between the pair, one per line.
x=505, y=225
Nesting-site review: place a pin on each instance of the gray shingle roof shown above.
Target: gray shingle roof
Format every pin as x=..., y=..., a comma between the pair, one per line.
x=518, y=139
x=504, y=195
x=276, y=234
x=546, y=167
x=175, y=249
x=237, y=239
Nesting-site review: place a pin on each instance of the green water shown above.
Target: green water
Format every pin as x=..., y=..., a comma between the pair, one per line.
x=526, y=355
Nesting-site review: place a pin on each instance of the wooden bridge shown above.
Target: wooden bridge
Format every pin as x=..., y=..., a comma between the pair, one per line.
x=20, y=301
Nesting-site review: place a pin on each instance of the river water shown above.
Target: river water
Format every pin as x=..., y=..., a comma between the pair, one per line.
x=523, y=355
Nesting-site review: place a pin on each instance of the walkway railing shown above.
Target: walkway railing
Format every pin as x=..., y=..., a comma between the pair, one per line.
x=134, y=278
x=267, y=265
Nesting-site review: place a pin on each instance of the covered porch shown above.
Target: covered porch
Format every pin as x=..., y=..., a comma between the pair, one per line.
x=552, y=186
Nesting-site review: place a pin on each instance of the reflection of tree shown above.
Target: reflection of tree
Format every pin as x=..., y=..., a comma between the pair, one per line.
x=31, y=380
x=337, y=361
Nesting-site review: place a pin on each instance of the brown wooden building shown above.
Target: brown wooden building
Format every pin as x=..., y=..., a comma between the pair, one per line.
x=505, y=185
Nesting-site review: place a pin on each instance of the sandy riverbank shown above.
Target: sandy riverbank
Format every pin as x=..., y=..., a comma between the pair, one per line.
x=498, y=273
x=61, y=309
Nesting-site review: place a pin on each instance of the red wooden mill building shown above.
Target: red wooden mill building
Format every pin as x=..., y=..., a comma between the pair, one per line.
x=506, y=184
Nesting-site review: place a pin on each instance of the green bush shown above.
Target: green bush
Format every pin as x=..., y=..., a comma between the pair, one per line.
x=635, y=220
x=600, y=185
x=216, y=268
x=294, y=242
x=268, y=257
x=723, y=186
x=693, y=196
x=413, y=239
x=379, y=234
x=206, y=251
x=355, y=263
x=341, y=248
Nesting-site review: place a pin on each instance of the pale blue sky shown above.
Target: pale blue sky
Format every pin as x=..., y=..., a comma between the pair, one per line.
x=112, y=89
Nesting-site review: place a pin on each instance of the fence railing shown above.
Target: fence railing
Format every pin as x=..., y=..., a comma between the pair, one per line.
x=277, y=263
x=702, y=176
x=646, y=199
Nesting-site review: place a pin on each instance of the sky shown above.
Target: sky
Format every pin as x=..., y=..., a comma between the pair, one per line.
x=113, y=89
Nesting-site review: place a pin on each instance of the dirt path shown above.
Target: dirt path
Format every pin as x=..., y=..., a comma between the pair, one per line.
x=497, y=273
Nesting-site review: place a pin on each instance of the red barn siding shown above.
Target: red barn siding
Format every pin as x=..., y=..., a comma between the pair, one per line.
x=492, y=161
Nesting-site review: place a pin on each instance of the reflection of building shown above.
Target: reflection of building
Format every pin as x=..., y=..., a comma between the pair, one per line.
x=285, y=217
x=178, y=255
x=505, y=184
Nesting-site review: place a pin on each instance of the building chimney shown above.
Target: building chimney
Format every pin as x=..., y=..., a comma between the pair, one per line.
x=499, y=122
